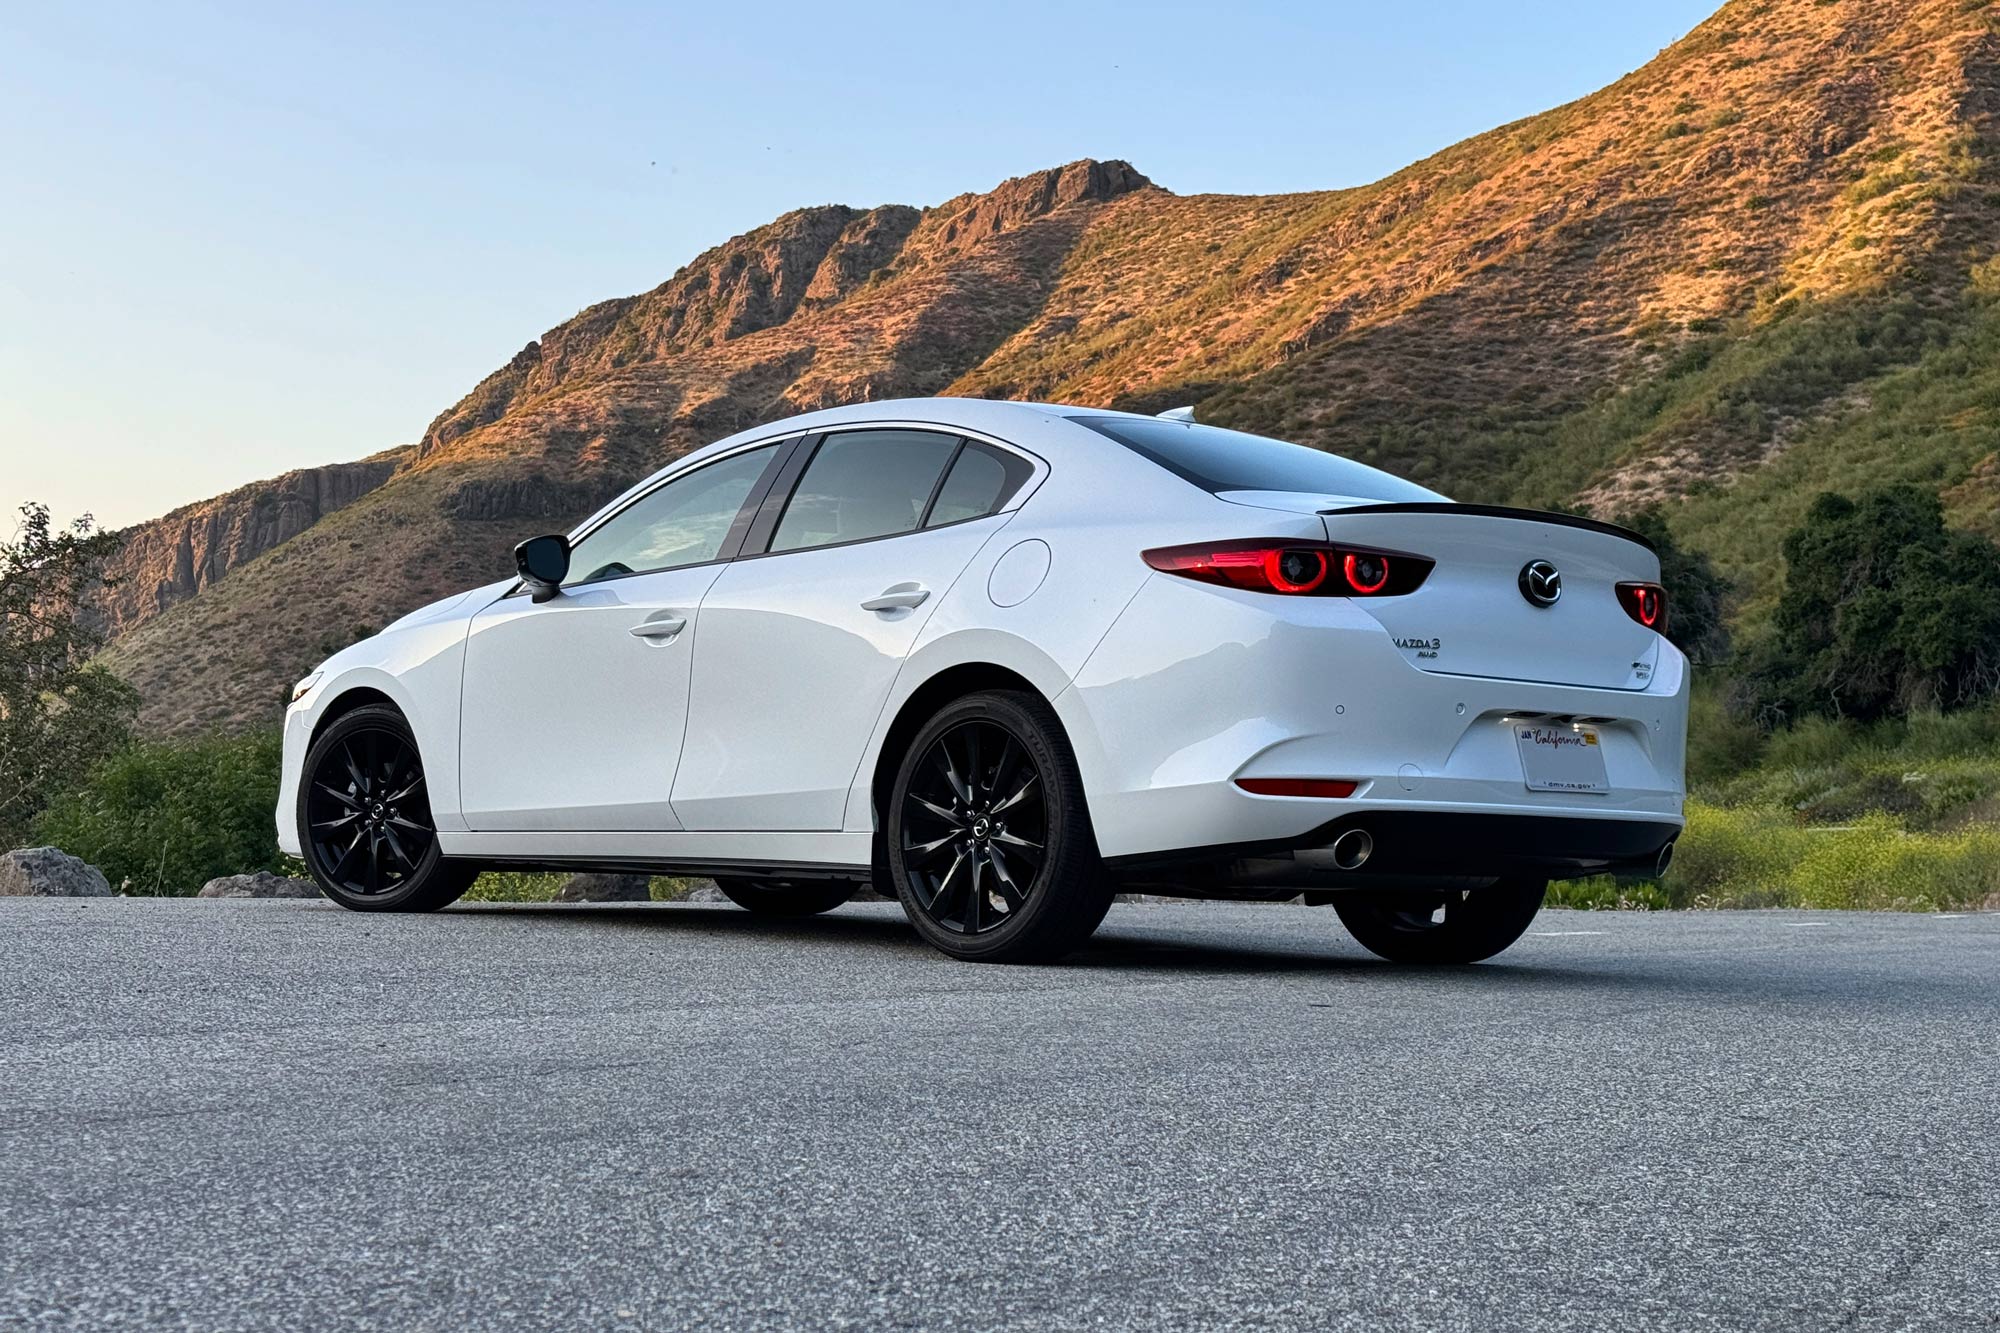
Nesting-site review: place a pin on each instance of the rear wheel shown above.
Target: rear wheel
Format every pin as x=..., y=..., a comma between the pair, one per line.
x=784, y=897
x=365, y=823
x=1457, y=927
x=990, y=847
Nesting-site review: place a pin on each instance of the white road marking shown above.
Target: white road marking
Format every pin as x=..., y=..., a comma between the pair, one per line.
x=1802, y=924
x=1569, y=932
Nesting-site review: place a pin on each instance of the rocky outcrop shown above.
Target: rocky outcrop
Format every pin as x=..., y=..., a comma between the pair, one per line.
x=809, y=260
x=46, y=872
x=557, y=501
x=605, y=889
x=958, y=224
x=262, y=884
x=170, y=559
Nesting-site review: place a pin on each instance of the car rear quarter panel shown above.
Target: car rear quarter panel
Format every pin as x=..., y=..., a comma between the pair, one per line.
x=1095, y=515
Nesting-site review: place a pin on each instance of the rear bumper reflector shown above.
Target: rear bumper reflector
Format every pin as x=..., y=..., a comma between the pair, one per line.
x=1331, y=788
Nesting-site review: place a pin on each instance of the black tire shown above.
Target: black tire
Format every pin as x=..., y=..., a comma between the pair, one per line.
x=784, y=897
x=364, y=777
x=973, y=886
x=1404, y=927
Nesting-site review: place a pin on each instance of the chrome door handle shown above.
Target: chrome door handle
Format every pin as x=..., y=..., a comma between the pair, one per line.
x=900, y=597
x=663, y=628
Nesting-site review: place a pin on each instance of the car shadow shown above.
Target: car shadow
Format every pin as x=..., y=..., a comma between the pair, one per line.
x=1322, y=950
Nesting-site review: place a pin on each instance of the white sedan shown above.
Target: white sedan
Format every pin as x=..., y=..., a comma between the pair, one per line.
x=1005, y=660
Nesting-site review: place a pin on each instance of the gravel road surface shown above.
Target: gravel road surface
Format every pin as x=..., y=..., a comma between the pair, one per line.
x=279, y=1115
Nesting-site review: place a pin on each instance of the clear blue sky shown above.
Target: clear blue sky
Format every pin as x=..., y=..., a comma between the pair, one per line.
x=240, y=238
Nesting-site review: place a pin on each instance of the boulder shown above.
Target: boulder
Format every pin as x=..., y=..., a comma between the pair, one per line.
x=706, y=892
x=605, y=889
x=44, y=872
x=262, y=884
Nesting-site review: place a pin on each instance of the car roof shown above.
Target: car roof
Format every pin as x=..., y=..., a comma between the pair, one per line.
x=988, y=414
x=1032, y=426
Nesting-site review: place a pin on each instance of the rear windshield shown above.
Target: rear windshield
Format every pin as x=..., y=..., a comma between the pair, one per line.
x=1228, y=460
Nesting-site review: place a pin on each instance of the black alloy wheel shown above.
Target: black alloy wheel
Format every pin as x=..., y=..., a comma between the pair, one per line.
x=989, y=841
x=365, y=818
x=1467, y=926
x=975, y=827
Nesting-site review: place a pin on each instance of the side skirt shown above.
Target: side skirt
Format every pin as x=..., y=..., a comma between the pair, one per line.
x=843, y=856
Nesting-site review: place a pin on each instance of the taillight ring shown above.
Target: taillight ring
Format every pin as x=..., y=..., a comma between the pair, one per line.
x=1351, y=567
x=1646, y=603
x=1274, y=569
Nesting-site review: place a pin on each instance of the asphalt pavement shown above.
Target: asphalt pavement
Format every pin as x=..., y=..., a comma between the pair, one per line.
x=279, y=1115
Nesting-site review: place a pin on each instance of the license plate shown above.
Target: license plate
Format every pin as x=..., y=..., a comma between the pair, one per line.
x=1561, y=758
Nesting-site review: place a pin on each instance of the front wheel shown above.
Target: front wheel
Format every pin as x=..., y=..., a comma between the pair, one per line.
x=1456, y=927
x=784, y=897
x=989, y=842
x=364, y=815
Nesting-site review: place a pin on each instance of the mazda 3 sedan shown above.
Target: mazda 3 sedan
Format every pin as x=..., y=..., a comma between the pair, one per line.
x=1005, y=660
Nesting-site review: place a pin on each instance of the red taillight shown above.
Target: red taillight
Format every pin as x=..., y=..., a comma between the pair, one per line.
x=1334, y=788
x=1366, y=574
x=1295, y=570
x=1298, y=568
x=1645, y=603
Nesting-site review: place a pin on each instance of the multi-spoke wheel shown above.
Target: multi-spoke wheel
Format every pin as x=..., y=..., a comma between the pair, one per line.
x=1456, y=927
x=365, y=818
x=989, y=842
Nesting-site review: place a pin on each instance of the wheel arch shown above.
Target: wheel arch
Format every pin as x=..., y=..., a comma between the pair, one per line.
x=922, y=703
x=347, y=701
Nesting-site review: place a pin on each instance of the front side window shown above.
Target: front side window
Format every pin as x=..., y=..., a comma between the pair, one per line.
x=862, y=484
x=684, y=522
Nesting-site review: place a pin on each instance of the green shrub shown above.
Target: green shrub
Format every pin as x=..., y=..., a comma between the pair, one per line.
x=1721, y=743
x=163, y=818
x=1885, y=612
x=1760, y=857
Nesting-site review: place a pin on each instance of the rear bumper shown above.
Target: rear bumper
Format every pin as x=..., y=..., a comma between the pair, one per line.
x=1195, y=687
x=1419, y=846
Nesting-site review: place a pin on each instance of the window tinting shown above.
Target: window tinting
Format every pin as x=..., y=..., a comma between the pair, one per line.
x=980, y=482
x=1228, y=460
x=861, y=484
x=682, y=523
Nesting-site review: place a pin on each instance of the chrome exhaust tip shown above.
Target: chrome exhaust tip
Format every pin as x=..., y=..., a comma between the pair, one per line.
x=1666, y=859
x=1352, y=849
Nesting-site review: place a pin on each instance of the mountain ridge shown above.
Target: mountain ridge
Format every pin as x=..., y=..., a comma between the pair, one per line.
x=1674, y=289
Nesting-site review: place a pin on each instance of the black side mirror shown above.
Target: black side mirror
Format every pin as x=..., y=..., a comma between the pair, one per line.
x=543, y=563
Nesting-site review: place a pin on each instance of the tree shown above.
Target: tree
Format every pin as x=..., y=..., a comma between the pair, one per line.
x=1885, y=612
x=1695, y=592
x=59, y=713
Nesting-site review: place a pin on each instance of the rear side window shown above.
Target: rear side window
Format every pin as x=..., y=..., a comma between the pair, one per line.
x=1227, y=460
x=980, y=481
x=862, y=484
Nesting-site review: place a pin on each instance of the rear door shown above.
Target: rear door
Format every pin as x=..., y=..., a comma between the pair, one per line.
x=800, y=643
x=1514, y=595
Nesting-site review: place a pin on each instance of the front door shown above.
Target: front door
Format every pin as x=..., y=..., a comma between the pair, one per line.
x=573, y=709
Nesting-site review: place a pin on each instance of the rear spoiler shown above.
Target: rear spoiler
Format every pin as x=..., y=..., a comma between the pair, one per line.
x=1499, y=511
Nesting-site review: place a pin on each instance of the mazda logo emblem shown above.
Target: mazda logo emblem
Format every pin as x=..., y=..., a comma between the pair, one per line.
x=1541, y=583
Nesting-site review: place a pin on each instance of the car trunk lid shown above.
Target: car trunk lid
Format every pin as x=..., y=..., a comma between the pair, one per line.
x=1483, y=613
